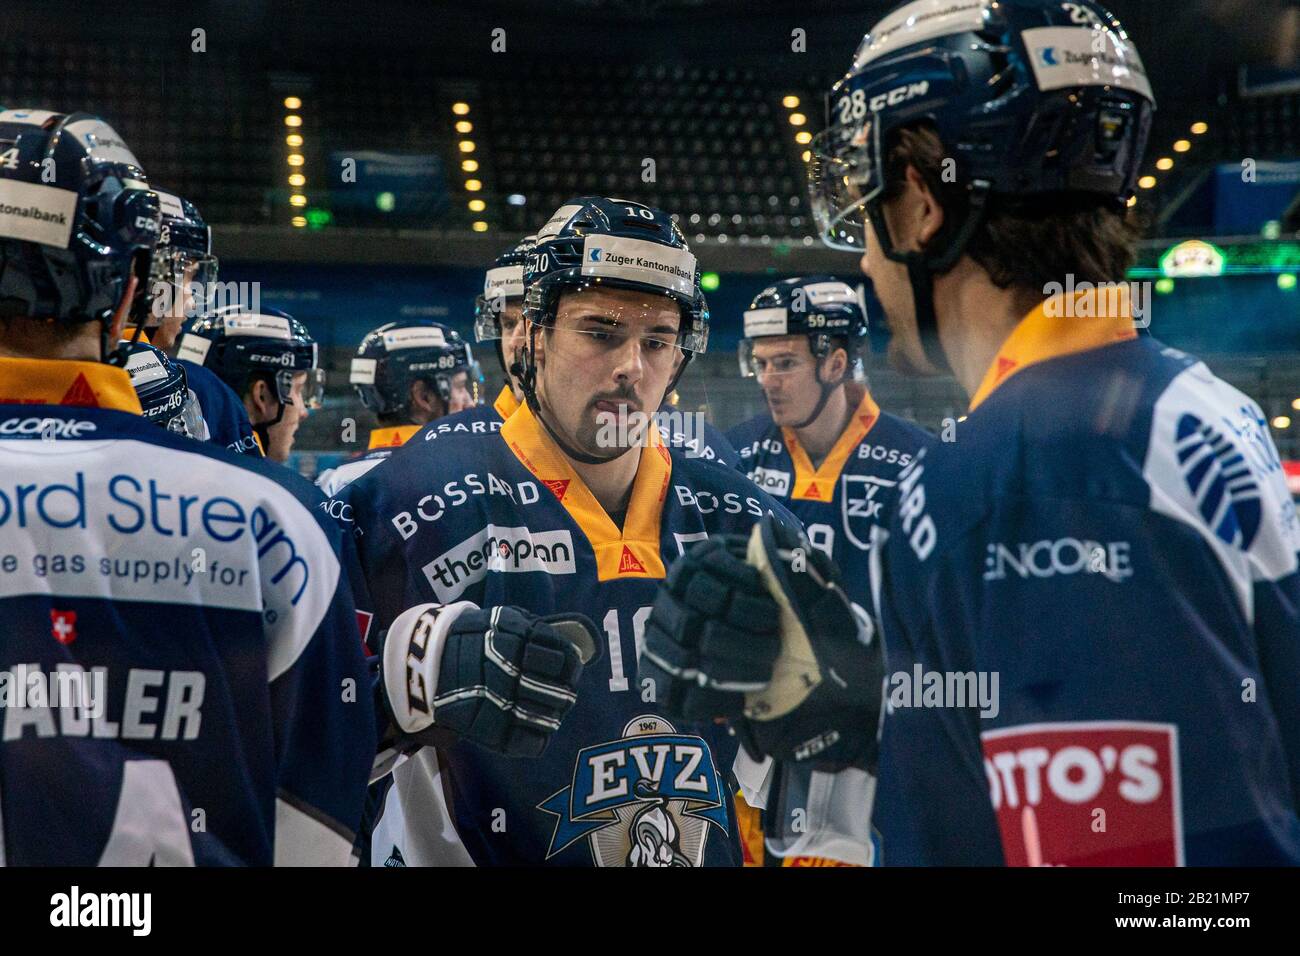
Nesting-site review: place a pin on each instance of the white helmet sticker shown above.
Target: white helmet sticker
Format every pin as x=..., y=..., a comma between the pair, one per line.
x=144, y=367
x=917, y=22
x=35, y=213
x=194, y=348
x=102, y=142
x=615, y=257
x=254, y=323
x=558, y=221
x=415, y=337
x=171, y=205
x=504, y=281
x=826, y=293
x=30, y=117
x=1082, y=56
x=363, y=371
x=762, y=322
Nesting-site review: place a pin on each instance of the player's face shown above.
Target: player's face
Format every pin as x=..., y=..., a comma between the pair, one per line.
x=894, y=290
x=461, y=396
x=282, y=433
x=787, y=374
x=182, y=305
x=512, y=340
x=612, y=353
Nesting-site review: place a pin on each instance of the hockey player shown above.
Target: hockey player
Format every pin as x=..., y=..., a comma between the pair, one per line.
x=270, y=360
x=408, y=374
x=191, y=609
x=466, y=538
x=164, y=392
x=1108, y=536
x=828, y=453
x=498, y=318
x=182, y=283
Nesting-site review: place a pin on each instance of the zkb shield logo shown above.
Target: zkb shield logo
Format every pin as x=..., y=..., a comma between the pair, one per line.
x=862, y=504
x=594, y=253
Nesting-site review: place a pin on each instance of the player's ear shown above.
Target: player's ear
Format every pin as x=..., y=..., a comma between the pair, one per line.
x=424, y=400
x=258, y=400
x=922, y=210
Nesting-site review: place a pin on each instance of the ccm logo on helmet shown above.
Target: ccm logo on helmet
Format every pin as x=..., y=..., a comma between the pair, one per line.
x=284, y=358
x=46, y=427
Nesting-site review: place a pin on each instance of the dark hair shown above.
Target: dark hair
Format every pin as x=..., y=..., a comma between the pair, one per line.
x=1027, y=241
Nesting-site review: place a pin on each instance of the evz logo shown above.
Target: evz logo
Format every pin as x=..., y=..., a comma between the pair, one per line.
x=862, y=500
x=647, y=799
x=1221, y=481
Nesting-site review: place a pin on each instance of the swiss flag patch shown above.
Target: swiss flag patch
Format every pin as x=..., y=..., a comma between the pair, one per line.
x=628, y=563
x=80, y=393
x=558, y=486
x=63, y=626
x=1086, y=794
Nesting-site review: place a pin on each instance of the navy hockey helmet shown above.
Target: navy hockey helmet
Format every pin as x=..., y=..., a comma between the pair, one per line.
x=163, y=390
x=502, y=284
x=393, y=356
x=1028, y=97
x=77, y=218
x=183, y=260
x=239, y=345
x=820, y=307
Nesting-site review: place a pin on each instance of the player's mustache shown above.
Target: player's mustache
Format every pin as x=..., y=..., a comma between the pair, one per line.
x=625, y=396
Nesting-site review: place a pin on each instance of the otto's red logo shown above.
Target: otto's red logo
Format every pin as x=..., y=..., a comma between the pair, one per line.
x=1086, y=794
x=63, y=626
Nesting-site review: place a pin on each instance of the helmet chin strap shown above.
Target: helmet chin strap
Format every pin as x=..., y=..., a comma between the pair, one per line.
x=923, y=267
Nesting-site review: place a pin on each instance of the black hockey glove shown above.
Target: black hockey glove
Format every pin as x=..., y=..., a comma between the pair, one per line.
x=712, y=635
x=500, y=676
x=772, y=644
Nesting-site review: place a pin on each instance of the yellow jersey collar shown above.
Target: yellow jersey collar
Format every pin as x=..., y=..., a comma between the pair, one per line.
x=633, y=551
x=818, y=484
x=506, y=403
x=1061, y=325
x=392, y=437
x=60, y=382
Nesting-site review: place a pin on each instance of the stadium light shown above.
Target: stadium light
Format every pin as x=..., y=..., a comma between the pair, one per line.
x=297, y=179
x=1132, y=201
x=293, y=120
x=807, y=156
x=466, y=145
x=480, y=226
x=460, y=109
x=1147, y=182
x=293, y=139
x=803, y=137
x=292, y=103
x=797, y=119
x=1287, y=281
x=294, y=159
x=469, y=165
x=297, y=199
x=1295, y=403
x=1164, y=164
x=1200, y=129
x=464, y=126
x=1281, y=422
x=473, y=185
x=299, y=221
x=790, y=102
x=1182, y=146
x=477, y=205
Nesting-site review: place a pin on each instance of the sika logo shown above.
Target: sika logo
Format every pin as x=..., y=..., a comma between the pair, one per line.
x=1221, y=481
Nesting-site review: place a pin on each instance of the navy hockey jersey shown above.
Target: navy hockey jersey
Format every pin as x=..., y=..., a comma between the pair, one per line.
x=839, y=503
x=502, y=518
x=383, y=441
x=226, y=417
x=849, y=494
x=1089, y=609
x=181, y=680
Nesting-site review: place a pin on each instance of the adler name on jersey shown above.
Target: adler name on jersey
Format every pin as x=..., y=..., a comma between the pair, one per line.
x=501, y=518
